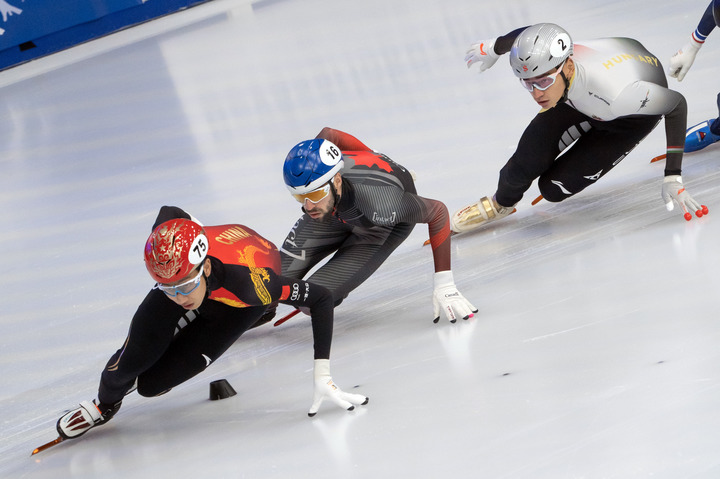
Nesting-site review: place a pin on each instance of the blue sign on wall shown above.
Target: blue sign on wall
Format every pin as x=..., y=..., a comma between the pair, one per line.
x=33, y=28
x=29, y=19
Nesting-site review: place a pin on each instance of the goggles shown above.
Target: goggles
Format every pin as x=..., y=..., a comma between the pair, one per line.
x=183, y=288
x=542, y=83
x=315, y=195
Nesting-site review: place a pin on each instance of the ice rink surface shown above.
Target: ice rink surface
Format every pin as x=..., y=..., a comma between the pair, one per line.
x=595, y=353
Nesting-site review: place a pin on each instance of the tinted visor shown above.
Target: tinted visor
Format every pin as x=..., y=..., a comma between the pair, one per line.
x=315, y=195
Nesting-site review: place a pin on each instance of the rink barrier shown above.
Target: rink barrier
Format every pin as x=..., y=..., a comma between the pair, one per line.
x=31, y=30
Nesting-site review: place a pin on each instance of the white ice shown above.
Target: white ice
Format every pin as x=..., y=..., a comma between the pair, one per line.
x=595, y=353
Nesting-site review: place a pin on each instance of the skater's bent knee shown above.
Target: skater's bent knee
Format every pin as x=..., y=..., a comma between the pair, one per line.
x=148, y=389
x=553, y=193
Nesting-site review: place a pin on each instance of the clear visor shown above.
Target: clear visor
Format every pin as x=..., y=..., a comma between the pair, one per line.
x=542, y=83
x=315, y=195
x=183, y=288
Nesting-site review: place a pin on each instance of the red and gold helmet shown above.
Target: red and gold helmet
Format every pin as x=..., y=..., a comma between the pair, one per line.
x=174, y=249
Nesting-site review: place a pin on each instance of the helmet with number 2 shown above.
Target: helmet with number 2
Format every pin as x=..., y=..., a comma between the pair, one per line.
x=311, y=164
x=174, y=249
x=539, y=49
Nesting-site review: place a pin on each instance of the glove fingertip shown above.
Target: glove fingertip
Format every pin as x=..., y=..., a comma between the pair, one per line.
x=311, y=414
x=351, y=408
x=436, y=319
x=367, y=400
x=453, y=321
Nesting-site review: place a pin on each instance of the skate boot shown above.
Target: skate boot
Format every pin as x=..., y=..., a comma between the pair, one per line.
x=703, y=134
x=700, y=136
x=478, y=214
x=87, y=415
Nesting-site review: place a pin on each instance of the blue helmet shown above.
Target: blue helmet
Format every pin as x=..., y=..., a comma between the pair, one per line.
x=311, y=164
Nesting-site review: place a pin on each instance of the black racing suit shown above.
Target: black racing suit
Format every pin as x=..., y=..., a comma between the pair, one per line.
x=707, y=23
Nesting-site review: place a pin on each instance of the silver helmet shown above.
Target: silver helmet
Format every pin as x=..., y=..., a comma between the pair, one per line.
x=539, y=49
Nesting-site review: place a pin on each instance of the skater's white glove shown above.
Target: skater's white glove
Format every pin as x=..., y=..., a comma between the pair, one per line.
x=325, y=388
x=673, y=193
x=482, y=53
x=447, y=298
x=681, y=62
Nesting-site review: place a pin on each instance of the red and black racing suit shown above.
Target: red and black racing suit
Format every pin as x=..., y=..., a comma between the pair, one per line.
x=167, y=345
x=377, y=210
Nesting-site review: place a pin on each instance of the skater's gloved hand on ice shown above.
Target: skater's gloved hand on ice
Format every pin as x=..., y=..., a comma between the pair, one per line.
x=447, y=298
x=482, y=53
x=325, y=388
x=681, y=62
x=674, y=193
